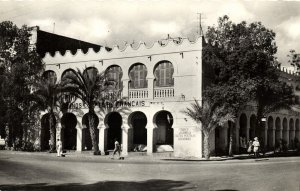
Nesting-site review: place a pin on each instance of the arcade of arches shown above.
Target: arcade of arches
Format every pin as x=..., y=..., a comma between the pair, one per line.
x=138, y=129
x=276, y=128
x=137, y=133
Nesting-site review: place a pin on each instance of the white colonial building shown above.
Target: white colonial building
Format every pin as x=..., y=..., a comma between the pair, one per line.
x=159, y=81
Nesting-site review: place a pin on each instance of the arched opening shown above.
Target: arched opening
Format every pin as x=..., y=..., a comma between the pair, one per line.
x=285, y=133
x=114, y=123
x=243, y=125
x=297, y=131
x=50, y=76
x=114, y=73
x=252, y=130
x=218, y=145
x=164, y=132
x=270, y=132
x=138, y=121
x=45, y=131
x=291, y=133
x=86, y=134
x=69, y=132
x=163, y=72
x=138, y=75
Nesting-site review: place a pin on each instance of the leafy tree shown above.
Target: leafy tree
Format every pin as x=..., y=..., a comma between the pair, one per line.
x=243, y=59
x=210, y=115
x=88, y=86
x=20, y=67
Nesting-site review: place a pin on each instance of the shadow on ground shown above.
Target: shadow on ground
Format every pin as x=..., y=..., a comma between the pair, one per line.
x=149, y=185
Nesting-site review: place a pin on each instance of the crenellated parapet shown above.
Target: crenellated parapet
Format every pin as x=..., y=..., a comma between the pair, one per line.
x=168, y=46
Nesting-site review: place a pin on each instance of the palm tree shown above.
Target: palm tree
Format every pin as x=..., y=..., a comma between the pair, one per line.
x=46, y=97
x=210, y=115
x=88, y=86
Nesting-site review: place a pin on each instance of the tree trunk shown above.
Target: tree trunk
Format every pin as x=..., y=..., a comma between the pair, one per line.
x=206, y=146
x=52, y=133
x=93, y=133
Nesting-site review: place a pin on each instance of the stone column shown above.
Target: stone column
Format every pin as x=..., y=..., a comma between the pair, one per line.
x=102, y=138
x=237, y=136
x=265, y=137
x=150, y=137
x=79, y=139
x=125, y=129
x=273, y=137
x=248, y=128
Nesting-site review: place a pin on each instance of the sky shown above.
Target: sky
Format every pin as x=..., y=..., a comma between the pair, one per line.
x=116, y=22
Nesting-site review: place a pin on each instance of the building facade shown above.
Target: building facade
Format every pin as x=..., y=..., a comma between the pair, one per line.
x=158, y=81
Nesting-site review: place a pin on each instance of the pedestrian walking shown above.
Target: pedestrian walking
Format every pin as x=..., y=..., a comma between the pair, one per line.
x=256, y=146
x=117, y=149
x=59, y=148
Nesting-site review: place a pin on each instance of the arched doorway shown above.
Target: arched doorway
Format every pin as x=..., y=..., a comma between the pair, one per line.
x=138, y=121
x=45, y=131
x=270, y=132
x=297, y=130
x=164, y=132
x=243, y=125
x=69, y=132
x=87, y=140
x=114, y=123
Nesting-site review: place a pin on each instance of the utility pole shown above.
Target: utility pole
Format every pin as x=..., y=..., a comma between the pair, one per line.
x=200, y=32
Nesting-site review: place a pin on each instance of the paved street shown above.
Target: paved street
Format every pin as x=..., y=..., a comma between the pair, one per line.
x=43, y=171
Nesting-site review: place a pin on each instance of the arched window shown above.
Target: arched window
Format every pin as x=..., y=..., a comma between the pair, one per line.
x=50, y=76
x=164, y=74
x=68, y=71
x=137, y=75
x=115, y=74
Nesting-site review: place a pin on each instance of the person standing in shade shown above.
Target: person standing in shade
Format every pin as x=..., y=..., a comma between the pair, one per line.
x=59, y=148
x=117, y=149
x=256, y=146
x=250, y=147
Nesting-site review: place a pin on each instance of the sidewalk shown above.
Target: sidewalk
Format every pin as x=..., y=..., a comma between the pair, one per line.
x=155, y=157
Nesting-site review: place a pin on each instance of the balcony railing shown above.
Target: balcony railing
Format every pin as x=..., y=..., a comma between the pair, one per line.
x=164, y=92
x=138, y=93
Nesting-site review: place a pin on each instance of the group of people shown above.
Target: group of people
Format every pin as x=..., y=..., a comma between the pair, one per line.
x=253, y=146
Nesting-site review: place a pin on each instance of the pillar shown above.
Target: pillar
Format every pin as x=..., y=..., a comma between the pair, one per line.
x=273, y=140
x=265, y=131
x=125, y=130
x=79, y=139
x=237, y=136
x=102, y=138
x=248, y=128
x=150, y=138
